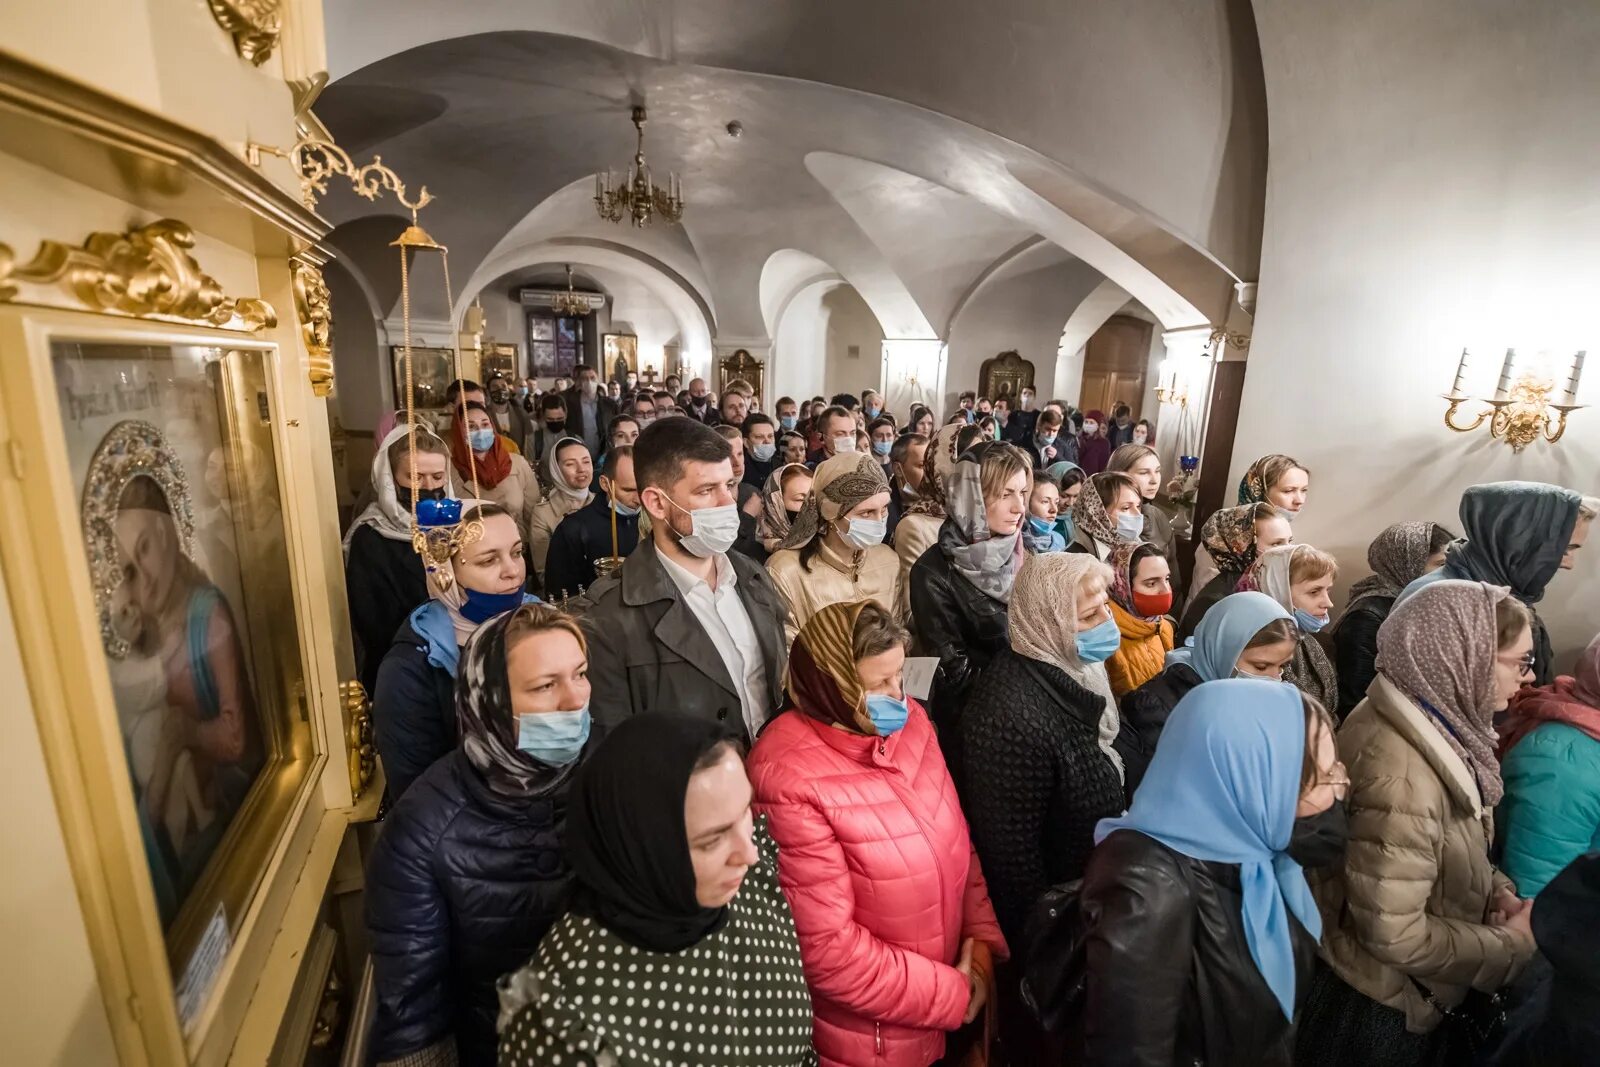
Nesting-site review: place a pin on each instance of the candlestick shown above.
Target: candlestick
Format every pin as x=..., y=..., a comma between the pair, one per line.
x=1570, y=399
x=1461, y=373
x=613, y=524
x=1503, y=390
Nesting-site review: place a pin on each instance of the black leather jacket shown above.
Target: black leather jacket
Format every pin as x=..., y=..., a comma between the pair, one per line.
x=1171, y=979
x=953, y=619
x=1355, y=643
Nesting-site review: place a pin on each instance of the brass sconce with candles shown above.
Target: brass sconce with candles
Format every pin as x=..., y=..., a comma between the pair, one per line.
x=1521, y=410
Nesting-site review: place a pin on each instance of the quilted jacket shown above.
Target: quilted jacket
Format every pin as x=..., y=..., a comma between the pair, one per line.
x=1143, y=651
x=1551, y=813
x=955, y=620
x=882, y=879
x=1410, y=902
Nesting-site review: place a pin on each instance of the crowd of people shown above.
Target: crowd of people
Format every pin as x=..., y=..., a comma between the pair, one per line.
x=658, y=791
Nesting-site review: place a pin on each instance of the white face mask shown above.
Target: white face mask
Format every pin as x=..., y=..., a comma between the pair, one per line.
x=1090, y=427
x=714, y=530
x=1140, y=437
x=1130, y=526
x=1027, y=402
x=590, y=388
x=844, y=443
x=864, y=533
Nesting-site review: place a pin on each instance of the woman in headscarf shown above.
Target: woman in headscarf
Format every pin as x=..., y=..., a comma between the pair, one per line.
x=413, y=708
x=469, y=873
x=675, y=883
x=570, y=471
x=792, y=447
x=1247, y=635
x=1518, y=534
x=835, y=553
x=1550, y=752
x=1231, y=539
x=1300, y=578
x=895, y=925
x=1418, y=916
x=383, y=576
x=1094, y=448
x=1141, y=463
x=960, y=587
x=1141, y=597
x=1108, y=512
x=1038, y=770
x=1069, y=478
x=1398, y=556
x=918, y=528
x=920, y=420
x=1199, y=928
x=489, y=470
x=781, y=500
x=1044, y=509
x=1277, y=480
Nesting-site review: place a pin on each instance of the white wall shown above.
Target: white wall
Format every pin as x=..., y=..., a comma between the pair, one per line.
x=1432, y=185
x=851, y=324
x=799, y=347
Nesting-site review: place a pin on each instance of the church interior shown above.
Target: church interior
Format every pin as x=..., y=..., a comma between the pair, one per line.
x=239, y=236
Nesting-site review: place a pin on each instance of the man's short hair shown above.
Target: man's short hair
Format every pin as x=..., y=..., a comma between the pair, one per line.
x=661, y=396
x=836, y=411
x=848, y=401
x=879, y=423
x=617, y=452
x=577, y=372
x=454, y=390
x=968, y=395
x=782, y=400
x=740, y=386
x=754, y=419
x=729, y=432
x=902, y=445
x=667, y=445
x=552, y=402
x=1048, y=417
x=1120, y=410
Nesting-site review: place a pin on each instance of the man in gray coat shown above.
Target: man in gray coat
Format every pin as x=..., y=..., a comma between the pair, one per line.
x=684, y=625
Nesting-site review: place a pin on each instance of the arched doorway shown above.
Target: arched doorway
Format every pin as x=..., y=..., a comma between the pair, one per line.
x=1115, y=363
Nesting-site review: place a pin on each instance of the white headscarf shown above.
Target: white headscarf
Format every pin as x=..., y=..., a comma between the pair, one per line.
x=386, y=514
x=558, y=481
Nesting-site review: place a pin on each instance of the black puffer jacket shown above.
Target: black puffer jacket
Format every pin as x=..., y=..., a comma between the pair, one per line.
x=1217, y=588
x=461, y=886
x=384, y=582
x=1144, y=716
x=953, y=619
x=1355, y=645
x=1034, y=781
x=1171, y=979
x=413, y=711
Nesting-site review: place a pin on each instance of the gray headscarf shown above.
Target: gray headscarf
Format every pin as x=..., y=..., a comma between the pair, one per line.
x=1397, y=556
x=990, y=563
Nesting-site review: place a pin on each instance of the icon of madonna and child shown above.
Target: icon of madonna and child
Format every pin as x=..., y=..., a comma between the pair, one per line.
x=178, y=668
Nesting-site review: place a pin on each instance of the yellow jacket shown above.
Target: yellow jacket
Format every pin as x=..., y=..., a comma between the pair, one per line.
x=1144, y=650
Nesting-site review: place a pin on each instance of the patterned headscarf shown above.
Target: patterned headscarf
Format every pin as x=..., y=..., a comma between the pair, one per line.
x=1397, y=556
x=1253, y=486
x=990, y=563
x=937, y=462
x=838, y=484
x=488, y=727
x=1043, y=624
x=1089, y=516
x=773, y=525
x=1438, y=647
x=1121, y=563
x=1269, y=574
x=1230, y=537
x=822, y=669
x=1311, y=670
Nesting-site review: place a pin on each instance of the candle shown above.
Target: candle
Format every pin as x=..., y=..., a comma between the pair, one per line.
x=1461, y=373
x=613, y=524
x=1503, y=390
x=1571, y=397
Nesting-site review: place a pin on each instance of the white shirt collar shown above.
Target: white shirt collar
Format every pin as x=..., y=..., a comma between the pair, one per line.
x=686, y=581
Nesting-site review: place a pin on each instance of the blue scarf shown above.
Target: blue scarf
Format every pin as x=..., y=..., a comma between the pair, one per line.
x=1223, y=633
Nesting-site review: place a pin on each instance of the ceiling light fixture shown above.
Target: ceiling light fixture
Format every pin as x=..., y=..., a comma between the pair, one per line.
x=570, y=303
x=638, y=198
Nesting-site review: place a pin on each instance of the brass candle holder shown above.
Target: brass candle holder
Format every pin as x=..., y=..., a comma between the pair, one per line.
x=1520, y=412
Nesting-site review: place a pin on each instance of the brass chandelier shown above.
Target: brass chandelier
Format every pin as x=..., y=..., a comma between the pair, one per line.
x=570, y=303
x=638, y=198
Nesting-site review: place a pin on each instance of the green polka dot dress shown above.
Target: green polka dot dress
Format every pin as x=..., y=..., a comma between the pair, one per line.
x=737, y=999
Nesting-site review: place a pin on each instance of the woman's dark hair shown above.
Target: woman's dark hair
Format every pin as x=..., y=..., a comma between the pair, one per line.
x=1440, y=539
x=473, y=405
x=571, y=443
x=1315, y=713
x=714, y=754
x=1109, y=484
x=1071, y=477
x=1274, y=633
x=1140, y=554
x=966, y=436
x=666, y=445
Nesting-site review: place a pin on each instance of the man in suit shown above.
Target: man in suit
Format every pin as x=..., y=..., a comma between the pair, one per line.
x=684, y=625
x=589, y=413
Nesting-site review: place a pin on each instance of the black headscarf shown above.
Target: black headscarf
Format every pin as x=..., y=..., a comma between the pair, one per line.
x=488, y=727
x=626, y=837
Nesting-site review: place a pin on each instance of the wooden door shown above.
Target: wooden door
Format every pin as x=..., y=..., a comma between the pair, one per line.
x=1114, y=365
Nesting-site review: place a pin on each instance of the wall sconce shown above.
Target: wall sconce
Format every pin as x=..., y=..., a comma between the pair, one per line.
x=1171, y=387
x=1520, y=411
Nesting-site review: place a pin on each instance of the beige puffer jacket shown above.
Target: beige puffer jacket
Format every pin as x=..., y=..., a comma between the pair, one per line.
x=1416, y=885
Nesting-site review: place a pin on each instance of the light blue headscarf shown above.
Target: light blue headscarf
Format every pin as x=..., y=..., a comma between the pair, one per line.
x=1222, y=788
x=1223, y=633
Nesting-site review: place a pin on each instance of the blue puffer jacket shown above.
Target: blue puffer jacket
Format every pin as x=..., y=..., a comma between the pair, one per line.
x=1551, y=812
x=461, y=886
x=414, y=707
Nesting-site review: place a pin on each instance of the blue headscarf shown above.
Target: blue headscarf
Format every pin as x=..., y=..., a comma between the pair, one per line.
x=1223, y=633
x=1222, y=788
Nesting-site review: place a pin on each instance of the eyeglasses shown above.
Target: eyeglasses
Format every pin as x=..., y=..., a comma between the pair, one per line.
x=1525, y=663
x=1338, y=778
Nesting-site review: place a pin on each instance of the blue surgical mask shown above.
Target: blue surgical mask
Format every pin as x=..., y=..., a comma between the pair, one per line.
x=1308, y=623
x=480, y=440
x=1067, y=529
x=788, y=422
x=1047, y=440
x=481, y=607
x=888, y=714
x=762, y=453
x=624, y=510
x=553, y=737
x=882, y=448
x=1098, y=645
x=1130, y=526
x=872, y=413
x=1039, y=526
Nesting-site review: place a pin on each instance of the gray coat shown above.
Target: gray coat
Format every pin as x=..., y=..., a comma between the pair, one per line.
x=648, y=651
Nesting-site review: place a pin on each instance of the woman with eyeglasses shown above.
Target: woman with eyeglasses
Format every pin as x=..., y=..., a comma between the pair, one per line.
x=1418, y=922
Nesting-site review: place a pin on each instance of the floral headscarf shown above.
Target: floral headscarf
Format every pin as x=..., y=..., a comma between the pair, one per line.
x=773, y=525
x=938, y=461
x=1253, y=486
x=1229, y=536
x=988, y=562
x=1089, y=516
x=1397, y=556
x=838, y=484
x=822, y=669
x=1121, y=563
x=1438, y=647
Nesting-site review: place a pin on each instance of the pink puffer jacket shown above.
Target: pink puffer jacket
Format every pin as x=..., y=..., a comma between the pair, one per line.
x=882, y=879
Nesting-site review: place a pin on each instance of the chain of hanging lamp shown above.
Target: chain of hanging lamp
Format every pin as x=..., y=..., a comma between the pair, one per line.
x=570, y=303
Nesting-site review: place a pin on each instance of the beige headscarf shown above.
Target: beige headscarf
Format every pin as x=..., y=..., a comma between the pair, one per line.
x=1043, y=624
x=837, y=485
x=773, y=525
x=937, y=463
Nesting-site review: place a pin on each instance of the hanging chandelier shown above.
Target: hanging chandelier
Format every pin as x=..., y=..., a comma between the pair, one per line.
x=639, y=197
x=570, y=303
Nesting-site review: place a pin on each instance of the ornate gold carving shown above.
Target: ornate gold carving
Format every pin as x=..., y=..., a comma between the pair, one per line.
x=312, y=307
x=146, y=272
x=255, y=25
x=363, y=758
x=316, y=160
